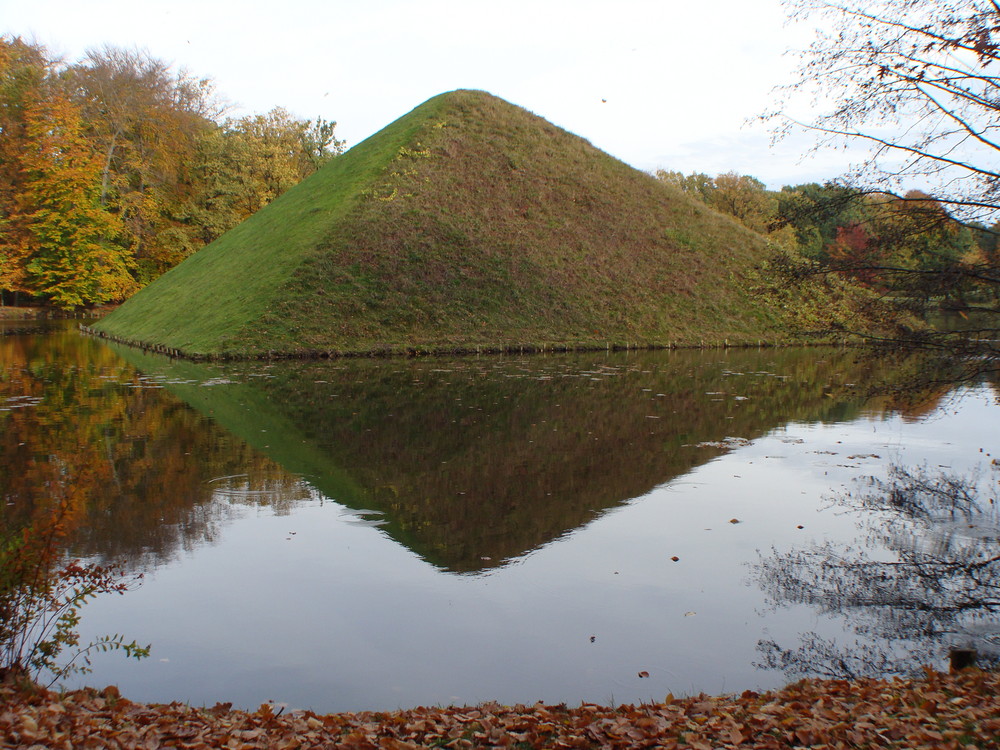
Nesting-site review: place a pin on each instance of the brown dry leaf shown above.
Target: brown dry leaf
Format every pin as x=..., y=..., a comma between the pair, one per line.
x=937, y=711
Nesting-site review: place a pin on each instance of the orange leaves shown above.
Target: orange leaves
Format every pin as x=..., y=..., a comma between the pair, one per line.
x=934, y=712
x=71, y=256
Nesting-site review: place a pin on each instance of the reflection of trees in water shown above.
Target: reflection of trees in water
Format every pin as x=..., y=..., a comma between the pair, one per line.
x=190, y=521
x=925, y=575
x=135, y=466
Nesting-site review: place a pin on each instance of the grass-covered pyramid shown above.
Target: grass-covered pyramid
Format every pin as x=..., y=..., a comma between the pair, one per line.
x=468, y=223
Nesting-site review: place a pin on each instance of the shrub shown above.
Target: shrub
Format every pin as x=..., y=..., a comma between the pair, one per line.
x=41, y=593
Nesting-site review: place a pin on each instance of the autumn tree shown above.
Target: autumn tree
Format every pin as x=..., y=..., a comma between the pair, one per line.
x=246, y=163
x=746, y=198
x=815, y=213
x=278, y=151
x=72, y=257
x=853, y=248
x=169, y=176
x=697, y=184
x=23, y=70
x=173, y=174
x=743, y=197
x=921, y=232
x=866, y=235
x=145, y=120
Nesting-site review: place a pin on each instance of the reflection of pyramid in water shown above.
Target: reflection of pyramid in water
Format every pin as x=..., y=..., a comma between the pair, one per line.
x=472, y=462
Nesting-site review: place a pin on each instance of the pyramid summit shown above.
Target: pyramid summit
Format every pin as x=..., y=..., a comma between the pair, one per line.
x=469, y=223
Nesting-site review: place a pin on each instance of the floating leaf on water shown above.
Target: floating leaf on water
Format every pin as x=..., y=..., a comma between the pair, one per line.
x=690, y=614
x=734, y=520
x=675, y=558
x=643, y=673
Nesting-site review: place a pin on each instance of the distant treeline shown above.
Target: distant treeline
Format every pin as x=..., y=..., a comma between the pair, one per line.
x=115, y=168
x=863, y=235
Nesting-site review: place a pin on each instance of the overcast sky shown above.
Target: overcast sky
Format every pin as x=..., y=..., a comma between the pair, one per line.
x=657, y=83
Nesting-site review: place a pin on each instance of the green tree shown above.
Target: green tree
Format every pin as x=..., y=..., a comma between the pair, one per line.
x=816, y=213
x=318, y=144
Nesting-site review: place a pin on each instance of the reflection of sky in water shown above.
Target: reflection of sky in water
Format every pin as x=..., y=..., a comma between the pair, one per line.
x=317, y=610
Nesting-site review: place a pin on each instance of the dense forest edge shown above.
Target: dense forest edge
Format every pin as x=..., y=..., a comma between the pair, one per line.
x=116, y=167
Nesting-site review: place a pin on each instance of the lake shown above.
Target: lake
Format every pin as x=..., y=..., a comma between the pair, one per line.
x=604, y=527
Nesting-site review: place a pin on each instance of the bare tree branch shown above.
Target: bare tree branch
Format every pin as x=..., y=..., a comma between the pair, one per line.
x=914, y=78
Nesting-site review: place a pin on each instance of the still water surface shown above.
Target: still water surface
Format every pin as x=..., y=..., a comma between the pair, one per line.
x=345, y=535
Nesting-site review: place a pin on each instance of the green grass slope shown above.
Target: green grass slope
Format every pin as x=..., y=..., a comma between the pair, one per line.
x=468, y=223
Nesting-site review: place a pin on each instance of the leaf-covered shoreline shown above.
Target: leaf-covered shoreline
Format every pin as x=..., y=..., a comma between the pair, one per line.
x=935, y=711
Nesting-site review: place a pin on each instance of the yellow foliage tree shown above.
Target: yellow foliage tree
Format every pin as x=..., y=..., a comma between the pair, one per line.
x=68, y=236
x=23, y=67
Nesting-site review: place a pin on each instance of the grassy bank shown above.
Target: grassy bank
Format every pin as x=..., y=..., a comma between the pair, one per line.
x=470, y=224
x=937, y=711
